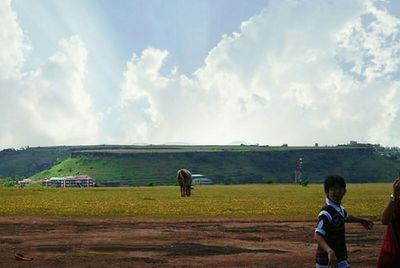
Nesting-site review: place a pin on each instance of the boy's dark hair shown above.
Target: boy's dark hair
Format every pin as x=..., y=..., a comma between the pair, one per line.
x=334, y=181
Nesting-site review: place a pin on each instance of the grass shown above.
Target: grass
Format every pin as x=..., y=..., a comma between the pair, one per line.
x=269, y=202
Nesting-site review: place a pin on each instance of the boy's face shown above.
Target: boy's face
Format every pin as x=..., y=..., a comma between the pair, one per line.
x=336, y=193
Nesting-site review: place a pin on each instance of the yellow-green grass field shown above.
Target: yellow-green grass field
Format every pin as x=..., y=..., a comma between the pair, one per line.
x=263, y=202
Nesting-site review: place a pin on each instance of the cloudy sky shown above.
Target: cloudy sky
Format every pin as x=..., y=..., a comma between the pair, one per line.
x=199, y=72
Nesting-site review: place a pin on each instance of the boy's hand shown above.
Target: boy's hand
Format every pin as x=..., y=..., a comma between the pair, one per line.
x=331, y=256
x=367, y=223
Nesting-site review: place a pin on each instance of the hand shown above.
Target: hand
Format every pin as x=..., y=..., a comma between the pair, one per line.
x=367, y=223
x=396, y=188
x=331, y=256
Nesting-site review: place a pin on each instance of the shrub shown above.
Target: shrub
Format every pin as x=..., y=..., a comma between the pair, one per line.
x=10, y=184
x=304, y=182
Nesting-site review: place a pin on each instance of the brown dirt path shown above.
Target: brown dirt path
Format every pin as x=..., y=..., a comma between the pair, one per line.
x=112, y=242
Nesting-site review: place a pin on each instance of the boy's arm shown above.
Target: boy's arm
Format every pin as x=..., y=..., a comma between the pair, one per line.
x=322, y=243
x=367, y=223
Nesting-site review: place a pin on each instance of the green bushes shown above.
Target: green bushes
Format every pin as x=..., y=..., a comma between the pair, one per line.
x=304, y=182
x=9, y=184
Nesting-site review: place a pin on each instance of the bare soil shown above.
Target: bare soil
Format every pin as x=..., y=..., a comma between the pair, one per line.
x=112, y=242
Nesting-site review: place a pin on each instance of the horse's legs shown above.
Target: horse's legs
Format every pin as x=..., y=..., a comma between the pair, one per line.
x=182, y=191
x=188, y=190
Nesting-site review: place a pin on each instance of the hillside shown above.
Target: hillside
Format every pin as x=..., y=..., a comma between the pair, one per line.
x=28, y=161
x=144, y=165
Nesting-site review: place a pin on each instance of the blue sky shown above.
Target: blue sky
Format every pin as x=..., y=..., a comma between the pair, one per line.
x=200, y=72
x=188, y=29
x=116, y=29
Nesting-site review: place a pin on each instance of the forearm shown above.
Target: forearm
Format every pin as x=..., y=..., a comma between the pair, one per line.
x=367, y=223
x=351, y=218
x=322, y=243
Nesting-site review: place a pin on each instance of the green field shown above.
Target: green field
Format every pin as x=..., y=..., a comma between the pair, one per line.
x=267, y=202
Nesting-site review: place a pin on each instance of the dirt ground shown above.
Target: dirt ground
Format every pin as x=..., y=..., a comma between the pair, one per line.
x=110, y=242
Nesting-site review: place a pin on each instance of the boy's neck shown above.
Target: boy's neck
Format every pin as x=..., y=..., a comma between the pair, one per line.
x=336, y=203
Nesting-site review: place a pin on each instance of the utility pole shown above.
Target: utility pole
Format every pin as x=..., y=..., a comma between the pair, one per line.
x=297, y=170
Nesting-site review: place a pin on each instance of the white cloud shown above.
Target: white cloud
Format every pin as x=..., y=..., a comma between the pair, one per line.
x=48, y=105
x=371, y=44
x=300, y=72
x=56, y=99
x=13, y=46
x=153, y=107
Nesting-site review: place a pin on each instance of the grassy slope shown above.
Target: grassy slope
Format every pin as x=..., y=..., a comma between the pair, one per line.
x=226, y=167
x=24, y=163
x=29, y=161
x=275, y=202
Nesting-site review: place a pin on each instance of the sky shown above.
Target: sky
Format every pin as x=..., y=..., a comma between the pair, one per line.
x=271, y=72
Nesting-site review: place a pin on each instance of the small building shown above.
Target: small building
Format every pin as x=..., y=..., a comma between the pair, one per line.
x=199, y=179
x=24, y=182
x=53, y=182
x=70, y=181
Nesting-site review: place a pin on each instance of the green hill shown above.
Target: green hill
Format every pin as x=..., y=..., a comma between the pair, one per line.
x=28, y=161
x=157, y=165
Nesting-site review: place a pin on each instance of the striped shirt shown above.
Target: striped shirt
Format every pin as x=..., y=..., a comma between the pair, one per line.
x=331, y=227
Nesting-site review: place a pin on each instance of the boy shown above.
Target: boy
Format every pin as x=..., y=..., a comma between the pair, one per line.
x=330, y=231
x=390, y=251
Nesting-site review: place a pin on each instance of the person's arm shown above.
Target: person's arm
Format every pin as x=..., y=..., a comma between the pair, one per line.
x=323, y=226
x=390, y=208
x=367, y=223
x=322, y=243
